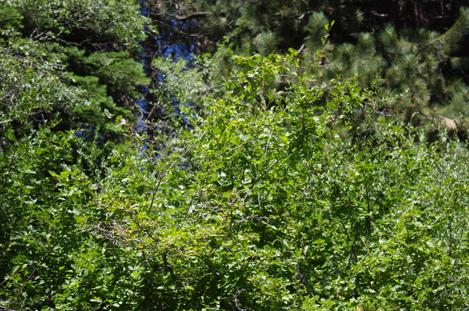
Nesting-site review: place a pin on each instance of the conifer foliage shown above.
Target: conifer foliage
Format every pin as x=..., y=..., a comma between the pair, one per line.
x=311, y=157
x=414, y=49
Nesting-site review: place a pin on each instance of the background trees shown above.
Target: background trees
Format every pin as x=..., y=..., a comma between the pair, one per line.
x=415, y=49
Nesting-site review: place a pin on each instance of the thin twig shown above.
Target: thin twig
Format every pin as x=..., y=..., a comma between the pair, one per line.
x=163, y=175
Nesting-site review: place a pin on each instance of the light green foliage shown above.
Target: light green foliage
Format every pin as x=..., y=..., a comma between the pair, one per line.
x=59, y=120
x=293, y=189
x=46, y=78
x=267, y=206
x=46, y=239
x=35, y=88
x=188, y=85
x=99, y=22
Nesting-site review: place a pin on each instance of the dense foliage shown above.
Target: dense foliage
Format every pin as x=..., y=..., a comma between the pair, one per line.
x=418, y=50
x=296, y=164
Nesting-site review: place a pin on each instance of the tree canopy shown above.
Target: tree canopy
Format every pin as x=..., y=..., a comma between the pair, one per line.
x=233, y=155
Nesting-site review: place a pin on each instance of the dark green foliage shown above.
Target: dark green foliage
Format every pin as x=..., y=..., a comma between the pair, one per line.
x=118, y=71
x=307, y=179
x=58, y=122
x=97, y=24
x=418, y=49
x=10, y=18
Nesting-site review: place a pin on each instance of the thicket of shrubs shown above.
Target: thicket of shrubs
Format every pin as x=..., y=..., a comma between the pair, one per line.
x=284, y=180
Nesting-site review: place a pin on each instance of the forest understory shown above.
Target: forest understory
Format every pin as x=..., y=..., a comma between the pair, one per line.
x=234, y=155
